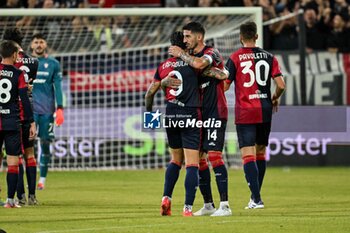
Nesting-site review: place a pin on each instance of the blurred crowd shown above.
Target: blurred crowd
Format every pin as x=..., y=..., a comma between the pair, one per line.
x=327, y=23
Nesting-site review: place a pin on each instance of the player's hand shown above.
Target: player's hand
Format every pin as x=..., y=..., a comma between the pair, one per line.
x=171, y=82
x=59, y=117
x=32, y=131
x=30, y=88
x=175, y=51
x=275, y=103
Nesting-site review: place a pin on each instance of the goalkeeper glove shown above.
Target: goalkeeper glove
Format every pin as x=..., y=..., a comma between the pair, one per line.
x=59, y=116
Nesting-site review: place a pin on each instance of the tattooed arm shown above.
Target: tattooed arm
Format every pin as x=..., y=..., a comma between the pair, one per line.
x=152, y=90
x=195, y=62
x=171, y=82
x=215, y=72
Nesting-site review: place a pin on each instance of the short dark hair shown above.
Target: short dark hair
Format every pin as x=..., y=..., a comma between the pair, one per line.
x=8, y=48
x=248, y=30
x=177, y=38
x=13, y=34
x=194, y=27
x=39, y=35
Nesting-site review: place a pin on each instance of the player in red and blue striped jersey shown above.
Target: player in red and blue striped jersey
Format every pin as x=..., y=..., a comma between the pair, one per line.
x=214, y=106
x=13, y=87
x=30, y=66
x=251, y=69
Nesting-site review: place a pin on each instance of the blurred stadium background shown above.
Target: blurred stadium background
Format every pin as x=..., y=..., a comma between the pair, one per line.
x=108, y=57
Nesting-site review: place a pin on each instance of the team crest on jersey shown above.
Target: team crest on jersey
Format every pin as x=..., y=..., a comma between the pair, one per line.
x=46, y=65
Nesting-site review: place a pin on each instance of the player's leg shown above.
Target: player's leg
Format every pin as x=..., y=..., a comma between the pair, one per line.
x=191, y=179
x=173, y=170
x=21, y=196
x=246, y=134
x=171, y=176
x=215, y=148
x=191, y=141
x=205, y=187
x=263, y=133
x=13, y=150
x=30, y=161
x=46, y=136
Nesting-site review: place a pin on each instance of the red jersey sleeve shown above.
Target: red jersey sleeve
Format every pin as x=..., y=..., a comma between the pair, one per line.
x=276, y=71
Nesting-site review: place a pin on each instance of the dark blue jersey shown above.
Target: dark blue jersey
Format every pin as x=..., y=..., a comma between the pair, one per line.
x=188, y=93
x=12, y=86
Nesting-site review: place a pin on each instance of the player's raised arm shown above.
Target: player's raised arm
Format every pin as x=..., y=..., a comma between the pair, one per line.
x=196, y=62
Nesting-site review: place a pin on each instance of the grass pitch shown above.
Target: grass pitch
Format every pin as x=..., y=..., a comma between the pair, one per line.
x=296, y=200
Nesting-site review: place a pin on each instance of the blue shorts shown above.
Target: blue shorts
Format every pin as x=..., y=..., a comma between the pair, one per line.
x=44, y=123
x=253, y=134
x=12, y=139
x=182, y=137
x=25, y=135
x=214, y=138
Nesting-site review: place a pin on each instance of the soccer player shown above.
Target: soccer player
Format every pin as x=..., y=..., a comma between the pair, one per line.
x=184, y=143
x=29, y=65
x=251, y=69
x=13, y=87
x=47, y=101
x=214, y=107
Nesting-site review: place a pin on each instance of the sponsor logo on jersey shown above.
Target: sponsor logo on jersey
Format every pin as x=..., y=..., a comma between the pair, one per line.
x=5, y=111
x=257, y=96
x=39, y=81
x=204, y=85
x=43, y=73
x=6, y=73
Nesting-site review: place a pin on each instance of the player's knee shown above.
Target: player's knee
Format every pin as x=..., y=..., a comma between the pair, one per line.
x=248, y=158
x=215, y=158
x=203, y=164
x=260, y=156
x=31, y=161
x=177, y=162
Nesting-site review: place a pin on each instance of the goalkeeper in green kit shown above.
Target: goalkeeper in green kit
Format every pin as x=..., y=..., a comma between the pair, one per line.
x=47, y=101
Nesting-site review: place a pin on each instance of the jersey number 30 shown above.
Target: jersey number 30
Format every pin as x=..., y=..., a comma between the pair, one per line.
x=5, y=88
x=260, y=78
